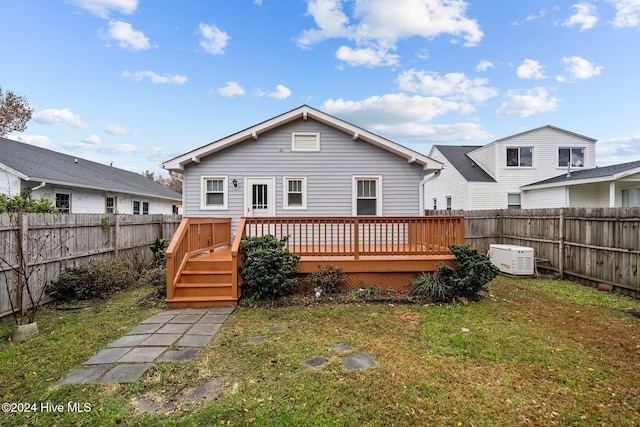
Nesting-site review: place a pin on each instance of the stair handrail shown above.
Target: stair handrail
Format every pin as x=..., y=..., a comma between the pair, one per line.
x=235, y=260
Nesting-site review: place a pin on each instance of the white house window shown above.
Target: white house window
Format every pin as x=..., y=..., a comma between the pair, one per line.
x=514, y=201
x=368, y=197
x=63, y=202
x=572, y=156
x=295, y=193
x=435, y=204
x=136, y=207
x=145, y=208
x=448, y=203
x=520, y=157
x=305, y=141
x=110, y=204
x=214, y=192
x=631, y=198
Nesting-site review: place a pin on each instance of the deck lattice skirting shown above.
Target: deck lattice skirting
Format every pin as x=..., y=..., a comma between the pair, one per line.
x=202, y=261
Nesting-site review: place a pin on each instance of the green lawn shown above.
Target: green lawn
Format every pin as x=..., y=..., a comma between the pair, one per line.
x=538, y=352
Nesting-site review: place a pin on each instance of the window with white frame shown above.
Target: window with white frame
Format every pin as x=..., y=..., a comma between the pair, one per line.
x=110, y=204
x=367, y=193
x=571, y=156
x=520, y=157
x=631, y=198
x=63, y=202
x=435, y=204
x=449, y=203
x=305, y=141
x=514, y=201
x=214, y=192
x=145, y=208
x=295, y=196
x=136, y=207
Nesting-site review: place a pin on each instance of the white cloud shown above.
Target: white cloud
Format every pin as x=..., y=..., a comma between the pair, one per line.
x=281, y=92
x=367, y=57
x=41, y=141
x=541, y=14
x=155, y=78
x=213, y=40
x=580, y=68
x=618, y=150
x=115, y=129
x=103, y=7
x=530, y=69
x=93, y=140
x=59, y=117
x=422, y=132
x=376, y=25
x=484, y=65
x=231, y=89
x=586, y=16
x=456, y=86
x=126, y=36
x=531, y=102
x=627, y=13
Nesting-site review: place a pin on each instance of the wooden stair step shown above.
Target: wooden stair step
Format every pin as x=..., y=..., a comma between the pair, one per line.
x=197, y=302
x=191, y=276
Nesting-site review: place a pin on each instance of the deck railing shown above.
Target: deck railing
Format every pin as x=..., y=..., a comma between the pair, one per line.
x=359, y=236
x=194, y=236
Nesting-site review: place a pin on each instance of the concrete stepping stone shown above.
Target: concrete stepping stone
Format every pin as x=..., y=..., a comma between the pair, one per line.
x=129, y=340
x=256, y=340
x=214, y=318
x=316, y=362
x=174, y=328
x=204, y=329
x=358, y=361
x=277, y=328
x=161, y=340
x=125, y=373
x=149, y=406
x=142, y=354
x=181, y=355
x=109, y=355
x=145, y=328
x=342, y=347
x=195, y=311
x=84, y=375
x=194, y=340
x=186, y=318
x=159, y=318
x=221, y=310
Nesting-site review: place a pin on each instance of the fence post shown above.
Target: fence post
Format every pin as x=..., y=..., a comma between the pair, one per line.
x=22, y=258
x=116, y=238
x=561, y=237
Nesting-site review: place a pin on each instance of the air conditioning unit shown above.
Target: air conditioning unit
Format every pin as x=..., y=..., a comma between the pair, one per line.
x=512, y=259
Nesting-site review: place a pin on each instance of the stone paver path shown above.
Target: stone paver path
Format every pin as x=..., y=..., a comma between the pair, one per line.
x=169, y=336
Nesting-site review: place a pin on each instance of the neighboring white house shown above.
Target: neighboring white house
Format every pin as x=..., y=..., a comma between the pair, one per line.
x=77, y=185
x=302, y=163
x=529, y=170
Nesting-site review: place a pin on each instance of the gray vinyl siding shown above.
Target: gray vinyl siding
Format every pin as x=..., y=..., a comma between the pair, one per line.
x=328, y=173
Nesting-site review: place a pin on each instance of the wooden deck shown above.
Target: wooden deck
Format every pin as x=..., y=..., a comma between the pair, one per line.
x=382, y=251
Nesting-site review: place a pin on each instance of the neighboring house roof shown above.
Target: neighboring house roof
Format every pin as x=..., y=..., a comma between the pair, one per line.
x=547, y=127
x=457, y=157
x=302, y=112
x=586, y=176
x=38, y=165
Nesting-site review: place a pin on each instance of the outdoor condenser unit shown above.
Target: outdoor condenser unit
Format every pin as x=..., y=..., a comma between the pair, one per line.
x=512, y=259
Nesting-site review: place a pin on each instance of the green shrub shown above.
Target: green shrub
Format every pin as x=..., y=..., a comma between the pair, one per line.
x=159, y=249
x=268, y=269
x=327, y=280
x=95, y=279
x=156, y=277
x=25, y=203
x=474, y=271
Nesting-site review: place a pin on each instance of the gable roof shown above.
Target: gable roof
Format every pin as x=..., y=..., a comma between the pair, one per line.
x=457, y=157
x=37, y=164
x=557, y=129
x=586, y=176
x=303, y=112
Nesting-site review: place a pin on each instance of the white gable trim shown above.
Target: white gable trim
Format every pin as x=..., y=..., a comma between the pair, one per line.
x=304, y=112
x=607, y=178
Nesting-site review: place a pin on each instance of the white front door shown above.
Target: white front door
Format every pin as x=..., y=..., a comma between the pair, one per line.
x=259, y=197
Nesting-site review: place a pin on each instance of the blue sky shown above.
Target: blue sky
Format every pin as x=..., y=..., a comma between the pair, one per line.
x=137, y=82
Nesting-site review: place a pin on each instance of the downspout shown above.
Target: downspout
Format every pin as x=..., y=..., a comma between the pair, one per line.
x=39, y=186
x=421, y=185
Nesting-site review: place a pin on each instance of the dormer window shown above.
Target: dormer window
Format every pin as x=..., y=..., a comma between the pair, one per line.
x=572, y=156
x=520, y=157
x=305, y=141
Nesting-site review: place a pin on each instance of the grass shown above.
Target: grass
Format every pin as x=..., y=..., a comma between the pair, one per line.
x=539, y=352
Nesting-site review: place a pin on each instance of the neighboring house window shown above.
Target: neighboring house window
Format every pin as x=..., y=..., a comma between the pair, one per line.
x=572, y=156
x=214, y=192
x=63, y=202
x=520, y=156
x=305, y=141
x=110, y=204
x=514, y=201
x=136, y=207
x=631, y=198
x=295, y=193
x=145, y=208
x=435, y=204
x=368, y=197
x=448, y=203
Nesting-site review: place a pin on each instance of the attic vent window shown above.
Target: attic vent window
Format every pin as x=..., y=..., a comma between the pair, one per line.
x=305, y=141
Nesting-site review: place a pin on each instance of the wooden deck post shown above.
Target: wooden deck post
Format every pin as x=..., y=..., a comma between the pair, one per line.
x=356, y=238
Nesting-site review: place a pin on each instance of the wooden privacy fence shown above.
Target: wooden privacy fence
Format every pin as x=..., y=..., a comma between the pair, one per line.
x=68, y=240
x=590, y=245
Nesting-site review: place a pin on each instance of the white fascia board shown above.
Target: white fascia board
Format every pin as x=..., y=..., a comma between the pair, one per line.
x=14, y=172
